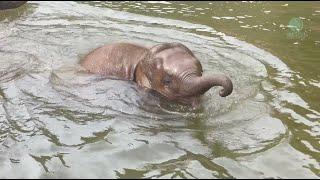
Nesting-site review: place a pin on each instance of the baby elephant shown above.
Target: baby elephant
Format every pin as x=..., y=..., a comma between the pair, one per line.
x=169, y=68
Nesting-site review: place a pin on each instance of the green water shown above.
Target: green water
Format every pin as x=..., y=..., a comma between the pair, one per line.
x=262, y=23
x=56, y=122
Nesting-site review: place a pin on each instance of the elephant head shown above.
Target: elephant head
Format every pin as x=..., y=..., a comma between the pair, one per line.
x=174, y=71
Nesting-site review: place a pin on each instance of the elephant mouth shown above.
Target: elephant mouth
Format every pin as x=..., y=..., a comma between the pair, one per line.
x=194, y=101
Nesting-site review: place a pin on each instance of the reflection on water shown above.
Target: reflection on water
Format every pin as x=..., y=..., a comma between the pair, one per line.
x=58, y=121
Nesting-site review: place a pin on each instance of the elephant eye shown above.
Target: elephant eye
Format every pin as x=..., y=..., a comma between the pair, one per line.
x=167, y=80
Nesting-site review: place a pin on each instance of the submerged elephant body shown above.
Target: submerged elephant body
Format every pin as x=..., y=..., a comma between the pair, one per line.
x=171, y=69
x=115, y=60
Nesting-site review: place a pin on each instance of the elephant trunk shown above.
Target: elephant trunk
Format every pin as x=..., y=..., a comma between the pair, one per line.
x=202, y=84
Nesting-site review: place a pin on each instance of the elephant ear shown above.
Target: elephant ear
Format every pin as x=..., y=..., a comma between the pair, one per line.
x=155, y=73
x=157, y=64
x=152, y=66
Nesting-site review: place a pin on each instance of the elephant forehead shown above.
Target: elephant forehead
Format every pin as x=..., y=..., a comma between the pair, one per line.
x=177, y=66
x=174, y=53
x=177, y=60
x=181, y=63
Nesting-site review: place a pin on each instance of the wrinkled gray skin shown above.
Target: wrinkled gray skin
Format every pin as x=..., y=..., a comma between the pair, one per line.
x=170, y=69
x=10, y=4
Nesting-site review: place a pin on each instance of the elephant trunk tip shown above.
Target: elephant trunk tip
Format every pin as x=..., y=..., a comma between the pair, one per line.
x=227, y=86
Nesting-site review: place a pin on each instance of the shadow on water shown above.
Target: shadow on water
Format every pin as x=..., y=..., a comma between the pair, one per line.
x=9, y=15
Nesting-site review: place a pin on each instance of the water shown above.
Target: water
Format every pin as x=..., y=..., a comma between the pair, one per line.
x=58, y=121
